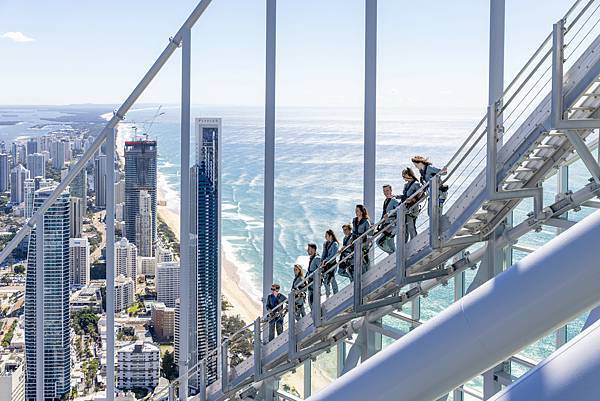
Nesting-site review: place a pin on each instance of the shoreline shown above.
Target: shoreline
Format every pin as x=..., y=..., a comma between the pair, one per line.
x=232, y=287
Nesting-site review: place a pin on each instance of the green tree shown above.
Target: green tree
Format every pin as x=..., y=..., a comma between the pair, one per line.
x=168, y=367
x=19, y=269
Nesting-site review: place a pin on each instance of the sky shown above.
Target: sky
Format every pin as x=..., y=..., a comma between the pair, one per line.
x=430, y=53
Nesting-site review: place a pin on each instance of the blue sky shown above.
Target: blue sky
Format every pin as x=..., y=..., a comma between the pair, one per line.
x=431, y=53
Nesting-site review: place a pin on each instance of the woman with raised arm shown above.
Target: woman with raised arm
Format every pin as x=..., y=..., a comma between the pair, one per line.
x=411, y=187
x=360, y=225
x=298, y=285
x=427, y=171
x=328, y=261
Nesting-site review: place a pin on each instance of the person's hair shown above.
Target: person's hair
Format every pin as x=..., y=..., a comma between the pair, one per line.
x=300, y=270
x=347, y=227
x=275, y=287
x=409, y=173
x=332, y=234
x=363, y=211
x=421, y=159
x=312, y=245
x=387, y=186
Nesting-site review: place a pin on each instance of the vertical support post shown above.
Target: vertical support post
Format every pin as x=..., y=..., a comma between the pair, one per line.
x=563, y=187
x=316, y=304
x=202, y=380
x=357, y=282
x=415, y=310
x=224, y=368
x=307, y=378
x=184, y=216
x=494, y=257
x=39, y=308
x=110, y=264
x=400, y=245
x=171, y=393
x=269, y=185
x=370, y=107
x=434, y=213
x=257, y=351
x=459, y=292
x=341, y=357
x=557, y=106
x=292, y=346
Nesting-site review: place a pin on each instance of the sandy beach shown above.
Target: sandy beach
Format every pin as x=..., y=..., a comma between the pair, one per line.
x=232, y=286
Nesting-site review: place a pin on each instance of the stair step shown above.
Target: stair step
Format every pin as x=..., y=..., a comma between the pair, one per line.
x=515, y=181
x=555, y=133
x=524, y=170
x=544, y=158
x=547, y=147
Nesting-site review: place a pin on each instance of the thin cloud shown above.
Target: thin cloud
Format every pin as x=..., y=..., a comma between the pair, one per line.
x=18, y=37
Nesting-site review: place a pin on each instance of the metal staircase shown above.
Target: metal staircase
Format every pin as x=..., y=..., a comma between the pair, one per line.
x=542, y=118
x=527, y=146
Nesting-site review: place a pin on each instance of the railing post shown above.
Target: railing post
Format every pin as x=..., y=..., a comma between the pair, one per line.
x=316, y=304
x=171, y=393
x=202, y=380
x=434, y=212
x=557, y=106
x=257, y=350
x=492, y=138
x=400, y=245
x=224, y=368
x=292, y=346
x=358, y=259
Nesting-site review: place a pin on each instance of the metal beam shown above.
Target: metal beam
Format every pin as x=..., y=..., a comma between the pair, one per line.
x=110, y=264
x=370, y=106
x=110, y=125
x=184, y=216
x=269, y=182
x=585, y=154
x=561, y=223
x=39, y=309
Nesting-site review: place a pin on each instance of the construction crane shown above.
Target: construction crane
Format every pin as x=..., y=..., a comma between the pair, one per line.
x=146, y=124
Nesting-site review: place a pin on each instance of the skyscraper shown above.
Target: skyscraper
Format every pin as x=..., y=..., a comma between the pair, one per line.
x=18, y=175
x=143, y=225
x=126, y=259
x=78, y=188
x=76, y=217
x=56, y=341
x=167, y=283
x=36, y=164
x=4, y=172
x=29, y=193
x=100, y=180
x=79, y=262
x=32, y=147
x=57, y=152
x=205, y=230
x=140, y=175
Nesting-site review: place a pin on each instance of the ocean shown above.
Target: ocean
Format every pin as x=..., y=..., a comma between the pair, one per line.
x=318, y=177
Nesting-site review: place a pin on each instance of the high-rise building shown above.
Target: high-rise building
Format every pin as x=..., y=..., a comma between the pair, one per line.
x=205, y=227
x=79, y=262
x=163, y=254
x=18, y=175
x=78, y=188
x=140, y=175
x=20, y=154
x=76, y=217
x=167, y=283
x=126, y=259
x=163, y=321
x=57, y=152
x=67, y=149
x=36, y=164
x=32, y=147
x=56, y=332
x=29, y=193
x=119, y=191
x=147, y=266
x=143, y=225
x=124, y=293
x=12, y=377
x=138, y=365
x=4, y=172
x=100, y=180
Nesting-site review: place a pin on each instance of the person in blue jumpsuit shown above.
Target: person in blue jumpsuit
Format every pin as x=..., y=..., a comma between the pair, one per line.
x=386, y=240
x=298, y=285
x=346, y=267
x=360, y=225
x=328, y=261
x=314, y=261
x=411, y=187
x=276, y=310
